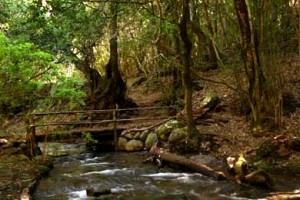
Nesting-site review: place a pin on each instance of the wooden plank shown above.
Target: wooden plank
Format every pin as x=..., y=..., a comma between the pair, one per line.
x=101, y=111
x=96, y=122
x=82, y=130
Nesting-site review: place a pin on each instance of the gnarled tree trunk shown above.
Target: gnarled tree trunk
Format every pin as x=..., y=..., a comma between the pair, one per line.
x=111, y=89
x=256, y=78
x=187, y=64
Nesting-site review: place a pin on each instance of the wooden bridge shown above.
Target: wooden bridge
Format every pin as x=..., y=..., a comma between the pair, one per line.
x=101, y=125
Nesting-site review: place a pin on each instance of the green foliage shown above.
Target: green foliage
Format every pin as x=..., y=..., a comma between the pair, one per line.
x=44, y=170
x=87, y=136
x=24, y=70
x=29, y=76
x=68, y=90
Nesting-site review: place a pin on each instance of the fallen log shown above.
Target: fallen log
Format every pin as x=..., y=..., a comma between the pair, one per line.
x=186, y=163
x=283, y=196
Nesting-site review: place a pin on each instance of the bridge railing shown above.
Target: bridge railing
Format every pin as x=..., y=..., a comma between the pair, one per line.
x=113, y=118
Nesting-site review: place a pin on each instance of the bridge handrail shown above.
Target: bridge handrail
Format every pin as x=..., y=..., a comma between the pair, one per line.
x=101, y=111
x=96, y=122
x=32, y=125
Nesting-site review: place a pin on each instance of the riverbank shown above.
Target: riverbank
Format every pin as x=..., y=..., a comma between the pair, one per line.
x=19, y=173
x=226, y=130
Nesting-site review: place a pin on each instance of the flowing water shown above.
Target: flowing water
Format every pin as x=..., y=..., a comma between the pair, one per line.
x=75, y=170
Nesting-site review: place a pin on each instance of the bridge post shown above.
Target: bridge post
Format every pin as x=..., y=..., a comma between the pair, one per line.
x=32, y=145
x=115, y=127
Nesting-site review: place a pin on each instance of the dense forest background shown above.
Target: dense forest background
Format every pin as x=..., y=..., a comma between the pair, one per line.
x=70, y=54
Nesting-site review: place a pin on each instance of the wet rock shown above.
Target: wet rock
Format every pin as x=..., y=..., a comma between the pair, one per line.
x=134, y=145
x=151, y=140
x=97, y=193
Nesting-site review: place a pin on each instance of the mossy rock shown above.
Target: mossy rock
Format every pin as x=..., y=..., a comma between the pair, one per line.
x=134, y=145
x=210, y=101
x=151, y=140
x=122, y=143
x=164, y=130
x=144, y=135
x=137, y=136
x=177, y=135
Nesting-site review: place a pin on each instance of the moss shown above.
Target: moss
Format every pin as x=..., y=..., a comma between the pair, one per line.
x=44, y=170
x=263, y=165
x=267, y=149
x=294, y=165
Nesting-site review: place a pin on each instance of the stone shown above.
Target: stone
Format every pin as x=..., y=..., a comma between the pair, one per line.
x=144, y=135
x=151, y=140
x=134, y=145
x=136, y=136
x=209, y=101
x=129, y=135
x=177, y=135
x=122, y=143
x=165, y=129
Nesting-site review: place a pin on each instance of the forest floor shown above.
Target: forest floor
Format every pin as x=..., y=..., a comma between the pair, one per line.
x=233, y=135
x=227, y=121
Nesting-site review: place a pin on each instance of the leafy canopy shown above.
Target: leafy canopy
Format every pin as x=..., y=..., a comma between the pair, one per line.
x=25, y=73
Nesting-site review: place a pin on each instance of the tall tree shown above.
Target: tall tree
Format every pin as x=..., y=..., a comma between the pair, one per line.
x=115, y=88
x=72, y=31
x=257, y=87
x=183, y=28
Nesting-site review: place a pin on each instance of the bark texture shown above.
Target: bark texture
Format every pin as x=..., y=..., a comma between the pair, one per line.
x=256, y=78
x=187, y=65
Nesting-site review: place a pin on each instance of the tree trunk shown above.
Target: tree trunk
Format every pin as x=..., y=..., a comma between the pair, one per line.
x=252, y=66
x=211, y=46
x=113, y=90
x=187, y=64
x=85, y=64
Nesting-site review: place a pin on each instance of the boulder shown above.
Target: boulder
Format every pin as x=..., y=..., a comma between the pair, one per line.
x=127, y=134
x=209, y=101
x=177, y=135
x=165, y=129
x=122, y=143
x=134, y=145
x=151, y=140
x=144, y=135
x=137, y=136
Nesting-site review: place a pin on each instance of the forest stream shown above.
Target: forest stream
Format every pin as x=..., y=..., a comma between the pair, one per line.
x=76, y=169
